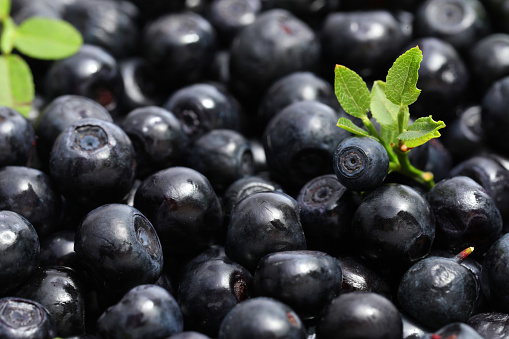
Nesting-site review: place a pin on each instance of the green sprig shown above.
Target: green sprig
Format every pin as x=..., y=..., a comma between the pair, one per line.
x=388, y=103
x=39, y=38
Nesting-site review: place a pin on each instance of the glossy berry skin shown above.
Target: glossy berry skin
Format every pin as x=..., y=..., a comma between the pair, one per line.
x=61, y=112
x=437, y=291
x=360, y=163
x=360, y=315
x=118, y=249
x=486, y=59
x=202, y=107
x=22, y=318
x=140, y=79
x=494, y=325
x=91, y=72
x=17, y=138
x=292, y=88
x=493, y=177
x=465, y=215
x=209, y=290
x=33, y=194
x=394, y=225
x=180, y=60
x=158, y=139
x=183, y=208
x=326, y=213
x=223, y=156
x=459, y=22
x=263, y=223
x=360, y=275
x=93, y=163
x=494, y=118
x=146, y=311
x=300, y=140
x=57, y=249
x=262, y=317
x=60, y=290
x=443, y=78
x=112, y=25
x=457, y=330
x=495, y=267
x=243, y=187
x=19, y=250
x=367, y=41
x=230, y=16
x=306, y=281
x=277, y=43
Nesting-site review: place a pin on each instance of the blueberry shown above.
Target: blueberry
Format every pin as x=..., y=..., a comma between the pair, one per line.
x=495, y=267
x=57, y=249
x=202, y=107
x=306, y=281
x=22, y=318
x=112, y=25
x=145, y=311
x=93, y=163
x=263, y=223
x=465, y=215
x=360, y=315
x=209, y=290
x=158, y=138
x=262, y=317
x=183, y=207
x=91, y=72
x=486, y=59
x=179, y=46
x=189, y=335
x=459, y=22
x=19, y=250
x=349, y=38
x=33, y=194
x=300, y=141
x=359, y=275
x=326, y=213
x=394, y=225
x=277, y=43
x=17, y=139
x=444, y=79
x=223, y=156
x=494, y=118
x=440, y=160
x=292, y=88
x=60, y=290
x=118, y=249
x=59, y=114
x=494, y=325
x=360, y=163
x=437, y=291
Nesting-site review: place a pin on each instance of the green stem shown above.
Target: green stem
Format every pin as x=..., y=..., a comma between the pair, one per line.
x=401, y=119
x=372, y=130
x=422, y=177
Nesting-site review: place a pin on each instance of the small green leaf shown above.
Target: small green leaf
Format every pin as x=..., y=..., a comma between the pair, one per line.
x=422, y=130
x=47, y=39
x=16, y=84
x=7, y=38
x=351, y=91
x=382, y=109
x=389, y=135
x=348, y=125
x=5, y=8
x=402, y=78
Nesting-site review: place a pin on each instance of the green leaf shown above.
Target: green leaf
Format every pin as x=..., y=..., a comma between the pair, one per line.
x=348, y=125
x=351, y=91
x=422, y=130
x=47, y=39
x=16, y=84
x=389, y=135
x=7, y=38
x=402, y=78
x=5, y=9
x=382, y=109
